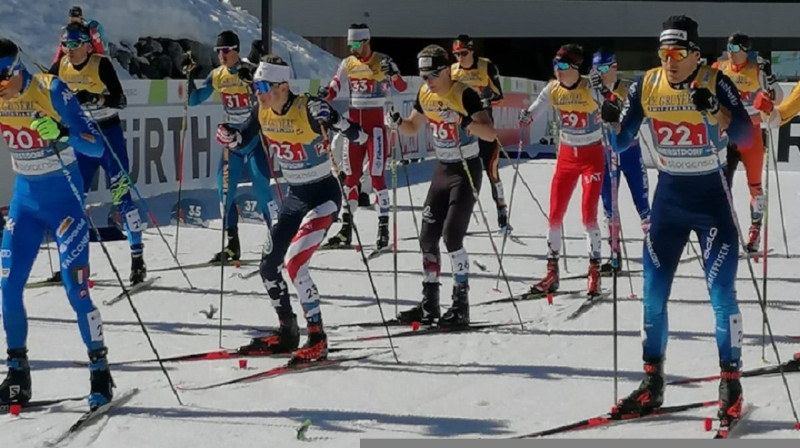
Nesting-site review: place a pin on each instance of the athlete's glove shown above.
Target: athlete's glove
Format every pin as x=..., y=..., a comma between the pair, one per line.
x=319, y=109
x=764, y=104
x=49, y=129
x=525, y=117
x=245, y=73
x=486, y=97
x=704, y=100
x=466, y=120
x=188, y=64
x=362, y=138
x=610, y=111
x=388, y=67
x=228, y=137
x=596, y=83
x=323, y=91
x=86, y=97
x=392, y=118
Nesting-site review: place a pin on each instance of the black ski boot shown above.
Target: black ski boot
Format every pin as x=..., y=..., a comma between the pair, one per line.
x=283, y=340
x=55, y=278
x=427, y=311
x=315, y=348
x=730, y=396
x=102, y=384
x=232, y=252
x=383, y=233
x=363, y=199
x=502, y=219
x=16, y=388
x=343, y=239
x=138, y=269
x=458, y=314
x=648, y=396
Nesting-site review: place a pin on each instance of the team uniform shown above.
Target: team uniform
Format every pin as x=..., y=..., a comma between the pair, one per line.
x=91, y=80
x=484, y=77
x=46, y=195
x=690, y=196
x=448, y=205
x=311, y=202
x=369, y=85
x=97, y=39
x=580, y=156
x=237, y=102
x=749, y=80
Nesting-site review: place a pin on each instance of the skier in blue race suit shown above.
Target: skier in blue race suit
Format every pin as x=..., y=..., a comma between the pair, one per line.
x=688, y=106
x=44, y=128
x=629, y=163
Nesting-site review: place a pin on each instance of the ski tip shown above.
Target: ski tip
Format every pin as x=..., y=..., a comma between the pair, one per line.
x=14, y=409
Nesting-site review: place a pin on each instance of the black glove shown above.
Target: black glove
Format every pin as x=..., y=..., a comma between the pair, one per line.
x=466, y=120
x=86, y=97
x=704, y=100
x=245, y=73
x=188, y=64
x=388, y=67
x=323, y=91
x=610, y=111
x=256, y=51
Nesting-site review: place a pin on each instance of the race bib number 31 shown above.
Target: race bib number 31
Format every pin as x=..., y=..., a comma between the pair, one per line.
x=235, y=100
x=680, y=135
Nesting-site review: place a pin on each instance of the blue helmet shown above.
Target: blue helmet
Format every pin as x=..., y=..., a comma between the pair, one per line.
x=10, y=63
x=603, y=57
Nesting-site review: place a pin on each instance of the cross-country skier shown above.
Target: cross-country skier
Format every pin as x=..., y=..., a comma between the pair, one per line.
x=482, y=75
x=96, y=35
x=370, y=76
x=457, y=119
x=44, y=127
x=580, y=156
x=294, y=126
x=751, y=75
x=778, y=115
x=231, y=79
x=604, y=78
x=94, y=82
x=691, y=195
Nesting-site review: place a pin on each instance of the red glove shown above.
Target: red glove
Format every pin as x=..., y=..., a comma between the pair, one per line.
x=228, y=136
x=763, y=102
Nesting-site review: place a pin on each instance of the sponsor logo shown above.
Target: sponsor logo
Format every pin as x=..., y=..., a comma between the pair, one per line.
x=10, y=225
x=76, y=252
x=64, y=226
x=72, y=235
x=80, y=274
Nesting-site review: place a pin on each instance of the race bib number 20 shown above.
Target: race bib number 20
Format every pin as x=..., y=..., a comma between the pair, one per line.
x=22, y=138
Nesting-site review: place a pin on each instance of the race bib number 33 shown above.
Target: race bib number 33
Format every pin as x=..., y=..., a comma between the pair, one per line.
x=680, y=135
x=362, y=85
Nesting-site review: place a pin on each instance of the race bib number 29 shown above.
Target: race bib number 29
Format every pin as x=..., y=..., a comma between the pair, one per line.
x=680, y=135
x=574, y=119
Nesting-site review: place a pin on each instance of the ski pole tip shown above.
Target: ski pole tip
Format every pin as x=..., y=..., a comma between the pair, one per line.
x=707, y=424
x=91, y=284
x=414, y=326
x=549, y=299
x=14, y=409
x=797, y=426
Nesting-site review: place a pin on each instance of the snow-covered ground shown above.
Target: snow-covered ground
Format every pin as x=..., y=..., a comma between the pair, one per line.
x=490, y=384
x=35, y=26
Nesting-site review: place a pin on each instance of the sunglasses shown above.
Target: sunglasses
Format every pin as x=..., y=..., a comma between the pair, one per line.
x=430, y=75
x=676, y=54
x=603, y=69
x=734, y=48
x=356, y=44
x=564, y=65
x=71, y=44
x=262, y=87
x=224, y=50
x=460, y=53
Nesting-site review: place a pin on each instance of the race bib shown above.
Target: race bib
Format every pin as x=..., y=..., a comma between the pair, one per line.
x=680, y=135
x=22, y=139
x=574, y=119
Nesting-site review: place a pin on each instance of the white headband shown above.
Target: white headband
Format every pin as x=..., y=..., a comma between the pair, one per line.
x=272, y=73
x=357, y=34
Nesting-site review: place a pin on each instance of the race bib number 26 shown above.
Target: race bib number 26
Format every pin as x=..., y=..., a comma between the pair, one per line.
x=444, y=131
x=680, y=135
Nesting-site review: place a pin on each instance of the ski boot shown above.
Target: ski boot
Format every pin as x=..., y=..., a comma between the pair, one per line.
x=753, y=238
x=648, y=396
x=138, y=269
x=458, y=314
x=344, y=238
x=55, y=278
x=316, y=347
x=363, y=199
x=283, y=340
x=550, y=281
x=593, y=278
x=383, y=233
x=232, y=252
x=427, y=310
x=502, y=219
x=101, y=392
x=16, y=388
x=730, y=396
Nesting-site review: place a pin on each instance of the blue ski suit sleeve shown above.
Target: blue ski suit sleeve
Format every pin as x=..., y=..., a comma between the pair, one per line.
x=632, y=116
x=741, y=128
x=197, y=96
x=83, y=135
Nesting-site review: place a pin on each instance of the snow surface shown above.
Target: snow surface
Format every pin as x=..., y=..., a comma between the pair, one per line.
x=35, y=25
x=492, y=384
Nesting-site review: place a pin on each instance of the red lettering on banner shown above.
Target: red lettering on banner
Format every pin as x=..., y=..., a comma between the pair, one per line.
x=680, y=134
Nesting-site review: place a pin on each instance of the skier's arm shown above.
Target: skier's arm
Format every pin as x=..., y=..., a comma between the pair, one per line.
x=476, y=121
x=541, y=105
x=55, y=68
x=414, y=122
x=251, y=127
x=732, y=116
x=631, y=118
x=81, y=134
x=197, y=96
x=115, y=98
x=336, y=83
x=494, y=82
x=790, y=106
x=316, y=107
